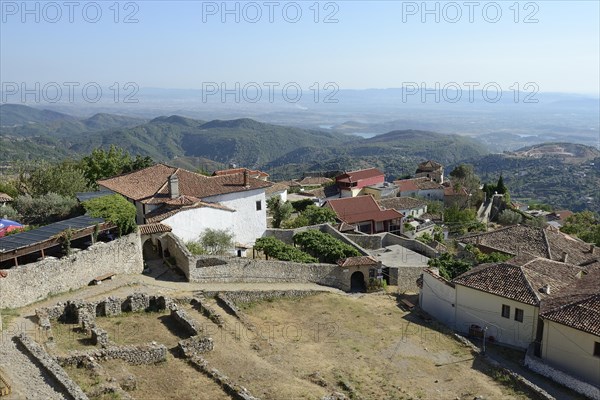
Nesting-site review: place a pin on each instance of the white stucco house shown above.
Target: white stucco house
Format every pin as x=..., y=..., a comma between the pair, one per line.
x=189, y=203
x=570, y=338
x=408, y=206
x=501, y=298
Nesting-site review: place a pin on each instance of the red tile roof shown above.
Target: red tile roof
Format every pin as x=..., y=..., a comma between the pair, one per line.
x=450, y=191
x=414, y=184
x=355, y=176
x=166, y=211
x=151, y=185
x=149, y=229
x=253, y=173
x=522, y=239
x=429, y=166
x=314, y=181
x=578, y=305
x=357, y=261
x=362, y=208
x=521, y=278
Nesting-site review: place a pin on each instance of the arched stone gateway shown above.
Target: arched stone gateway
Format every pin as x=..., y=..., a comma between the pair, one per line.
x=150, y=251
x=357, y=282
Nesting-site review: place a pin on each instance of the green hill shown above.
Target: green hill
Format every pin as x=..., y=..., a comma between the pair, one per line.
x=17, y=114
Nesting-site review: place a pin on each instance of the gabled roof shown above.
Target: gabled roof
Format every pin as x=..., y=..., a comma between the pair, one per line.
x=540, y=242
x=450, y=191
x=521, y=278
x=276, y=188
x=5, y=198
x=578, y=305
x=151, y=185
x=314, y=181
x=149, y=229
x=361, y=208
x=251, y=172
x=355, y=176
x=429, y=166
x=165, y=211
x=357, y=261
x=414, y=184
x=402, y=203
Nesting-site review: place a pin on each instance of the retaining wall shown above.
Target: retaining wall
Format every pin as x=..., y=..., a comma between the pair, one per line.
x=32, y=282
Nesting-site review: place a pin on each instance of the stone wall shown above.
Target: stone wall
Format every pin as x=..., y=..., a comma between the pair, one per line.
x=412, y=244
x=370, y=242
x=538, y=365
x=136, y=355
x=51, y=366
x=407, y=278
x=35, y=281
x=177, y=250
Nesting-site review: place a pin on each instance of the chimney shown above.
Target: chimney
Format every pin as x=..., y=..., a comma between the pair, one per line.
x=174, y=186
x=565, y=256
x=246, y=178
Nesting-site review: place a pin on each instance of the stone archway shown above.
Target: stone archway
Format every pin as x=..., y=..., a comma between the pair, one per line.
x=150, y=251
x=357, y=282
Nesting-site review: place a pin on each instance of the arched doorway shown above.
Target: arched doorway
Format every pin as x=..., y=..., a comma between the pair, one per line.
x=357, y=282
x=149, y=251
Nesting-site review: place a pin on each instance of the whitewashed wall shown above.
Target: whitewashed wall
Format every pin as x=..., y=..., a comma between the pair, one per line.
x=437, y=299
x=249, y=224
x=485, y=309
x=188, y=225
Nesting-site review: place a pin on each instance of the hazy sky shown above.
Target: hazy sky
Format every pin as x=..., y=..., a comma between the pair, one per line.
x=375, y=44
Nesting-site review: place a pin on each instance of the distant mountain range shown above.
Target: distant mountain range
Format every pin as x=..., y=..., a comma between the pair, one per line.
x=284, y=151
x=564, y=174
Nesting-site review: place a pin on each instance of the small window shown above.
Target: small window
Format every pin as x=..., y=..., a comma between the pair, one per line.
x=597, y=349
x=258, y=205
x=505, y=311
x=518, y=315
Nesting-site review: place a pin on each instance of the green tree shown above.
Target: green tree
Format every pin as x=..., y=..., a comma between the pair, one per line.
x=464, y=176
x=461, y=221
x=584, y=225
x=510, y=217
x=217, y=241
x=9, y=187
x=449, y=266
x=281, y=211
x=8, y=212
x=42, y=210
x=279, y=250
x=102, y=164
x=312, y=215
x=324, y=246
x=115, y=209
x=500, y=187
x=65, y=178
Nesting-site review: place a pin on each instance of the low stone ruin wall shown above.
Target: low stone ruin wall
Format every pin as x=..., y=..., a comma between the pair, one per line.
x=135, y=355
x=52, y=367
x=32, y=282
x=250, y=296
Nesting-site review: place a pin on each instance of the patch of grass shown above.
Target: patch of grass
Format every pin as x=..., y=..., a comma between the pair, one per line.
x=7, y=315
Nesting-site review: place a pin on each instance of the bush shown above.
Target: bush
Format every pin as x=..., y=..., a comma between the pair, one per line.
x=301, y=205
x=216, y=241
x=7, y=212
x=324, y=246
x=45, y=209
x=312, y=215
x=275, y=248
x=114, y=209
x=195, y=248
x=509, y=217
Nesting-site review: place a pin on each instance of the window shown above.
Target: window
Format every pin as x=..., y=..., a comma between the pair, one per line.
x=505, y=311
x=597, y=349
x=258, y=205
x=518, y=315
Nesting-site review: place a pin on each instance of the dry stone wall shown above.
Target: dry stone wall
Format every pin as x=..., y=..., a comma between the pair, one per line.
x=32, y=282
x=135, y=355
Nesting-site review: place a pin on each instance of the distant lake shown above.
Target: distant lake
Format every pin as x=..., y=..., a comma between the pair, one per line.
x=365, y=135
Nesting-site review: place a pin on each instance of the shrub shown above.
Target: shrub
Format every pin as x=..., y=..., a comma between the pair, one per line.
x=275, y=248
x=324, y=246
x=195, y=248
x=301, y=205
x=115, y=209
x=44, y=209
x=216, y=241
x=509, y=217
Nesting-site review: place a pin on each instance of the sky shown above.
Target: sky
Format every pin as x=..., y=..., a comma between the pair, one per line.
x=354, y=44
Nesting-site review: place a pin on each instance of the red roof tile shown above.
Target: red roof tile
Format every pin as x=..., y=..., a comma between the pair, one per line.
x=357, y=261
x=5, y=198
x=355, y=176
x=151, y=185
x=253, y=173
x=362, y=208
x=149, y=229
